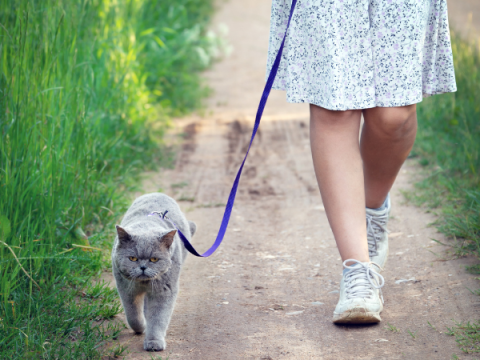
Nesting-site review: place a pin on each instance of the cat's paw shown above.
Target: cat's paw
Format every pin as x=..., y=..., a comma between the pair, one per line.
x=137, y=327
x=154, y=345
x=136, y=323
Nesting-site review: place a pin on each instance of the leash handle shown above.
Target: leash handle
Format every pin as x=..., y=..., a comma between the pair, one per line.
x=233, y=192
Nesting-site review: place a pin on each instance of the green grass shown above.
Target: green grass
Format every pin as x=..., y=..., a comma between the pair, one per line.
x=86, y=91
x=467, y=336
x=448, y=147
x=448, y=144
x=412, y=334
x=391, y=328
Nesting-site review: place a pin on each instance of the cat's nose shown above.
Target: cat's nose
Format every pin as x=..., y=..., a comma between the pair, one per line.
x=143, y=267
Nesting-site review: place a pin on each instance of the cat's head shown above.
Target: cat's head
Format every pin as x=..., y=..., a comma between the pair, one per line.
x=143, y=256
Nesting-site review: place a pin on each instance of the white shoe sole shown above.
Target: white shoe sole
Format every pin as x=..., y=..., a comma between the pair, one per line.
x=357, y=316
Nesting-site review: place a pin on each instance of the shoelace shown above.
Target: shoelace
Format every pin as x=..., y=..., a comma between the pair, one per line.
x=361, y=280
x=376, y=225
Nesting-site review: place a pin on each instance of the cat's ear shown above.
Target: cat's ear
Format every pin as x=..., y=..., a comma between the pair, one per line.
x=167, y=239
x=193, y=227
x=123, y=236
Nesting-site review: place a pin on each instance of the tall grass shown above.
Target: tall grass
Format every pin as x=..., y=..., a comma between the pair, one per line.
x=86, y=87
x=448, y=143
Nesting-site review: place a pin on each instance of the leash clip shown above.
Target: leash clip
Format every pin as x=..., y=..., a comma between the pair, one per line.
x=162, y=215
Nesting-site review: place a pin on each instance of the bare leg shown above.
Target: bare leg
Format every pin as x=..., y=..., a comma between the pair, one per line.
x=339, y=171
x=387, y=137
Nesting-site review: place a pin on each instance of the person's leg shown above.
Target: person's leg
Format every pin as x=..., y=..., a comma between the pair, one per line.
x=387, y=137
x=339, y=171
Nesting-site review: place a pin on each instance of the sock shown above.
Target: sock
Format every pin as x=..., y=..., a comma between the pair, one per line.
x=384, y=205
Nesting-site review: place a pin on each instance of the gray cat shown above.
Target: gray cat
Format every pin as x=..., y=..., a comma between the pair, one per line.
x=147, y=257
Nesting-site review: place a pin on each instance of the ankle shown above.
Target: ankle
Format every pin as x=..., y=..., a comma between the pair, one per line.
x=383, y=205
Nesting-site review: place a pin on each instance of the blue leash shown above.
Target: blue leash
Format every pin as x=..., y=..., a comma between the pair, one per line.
x=233, y=192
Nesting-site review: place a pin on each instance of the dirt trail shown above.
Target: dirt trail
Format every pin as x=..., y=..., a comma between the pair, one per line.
x=270, y=291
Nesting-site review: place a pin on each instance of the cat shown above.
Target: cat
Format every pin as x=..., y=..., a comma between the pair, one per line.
x=147, y=257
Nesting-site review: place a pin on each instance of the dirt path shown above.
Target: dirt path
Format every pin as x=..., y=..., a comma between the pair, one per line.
x=270, y=291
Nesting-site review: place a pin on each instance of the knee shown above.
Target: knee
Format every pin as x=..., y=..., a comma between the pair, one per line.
x=394, y=123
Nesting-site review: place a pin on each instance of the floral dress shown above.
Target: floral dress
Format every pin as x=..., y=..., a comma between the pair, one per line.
x=358, y=54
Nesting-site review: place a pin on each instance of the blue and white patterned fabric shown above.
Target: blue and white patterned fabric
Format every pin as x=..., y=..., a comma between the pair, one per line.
x=359, y=54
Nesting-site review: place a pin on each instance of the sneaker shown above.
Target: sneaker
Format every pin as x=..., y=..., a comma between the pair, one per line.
x=377, y=233
x=360, y=296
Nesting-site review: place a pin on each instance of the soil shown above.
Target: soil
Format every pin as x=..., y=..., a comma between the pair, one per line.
x=270, y=290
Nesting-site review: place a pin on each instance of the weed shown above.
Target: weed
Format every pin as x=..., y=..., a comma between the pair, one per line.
x=467, y=336
x=474, y=269
x=413, y=335
x=432, y=326
x=391, y=328
x=158, y=357
x=474, y=292
x=211, y=205
x=179, y=185
x=118, y=351
x=186, y=198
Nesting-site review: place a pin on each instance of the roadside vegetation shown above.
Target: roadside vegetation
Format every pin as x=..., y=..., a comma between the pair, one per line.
x=448, y=144
x=86, y=91
x=448, y=147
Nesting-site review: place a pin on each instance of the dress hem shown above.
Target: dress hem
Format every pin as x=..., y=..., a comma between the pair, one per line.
x=296, y=100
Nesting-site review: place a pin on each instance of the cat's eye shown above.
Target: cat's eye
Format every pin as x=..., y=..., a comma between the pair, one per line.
x=153, y=259
x=132, y=258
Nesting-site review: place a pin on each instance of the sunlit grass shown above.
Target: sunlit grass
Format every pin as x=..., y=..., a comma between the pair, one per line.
x=86, y=88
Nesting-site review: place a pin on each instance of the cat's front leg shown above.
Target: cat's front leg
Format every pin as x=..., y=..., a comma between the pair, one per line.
x=158, y=312
x=132, y=301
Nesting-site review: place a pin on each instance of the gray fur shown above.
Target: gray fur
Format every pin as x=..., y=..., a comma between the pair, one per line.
x=150, y=293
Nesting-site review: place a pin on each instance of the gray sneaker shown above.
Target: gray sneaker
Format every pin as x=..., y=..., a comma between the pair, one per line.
x=377, y=234
x=360, y=296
